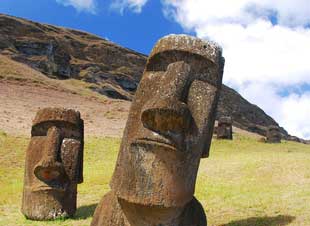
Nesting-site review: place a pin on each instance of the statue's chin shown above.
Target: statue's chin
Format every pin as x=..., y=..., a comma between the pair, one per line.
x=35, y=207
x=150, y=215
x=159, y=177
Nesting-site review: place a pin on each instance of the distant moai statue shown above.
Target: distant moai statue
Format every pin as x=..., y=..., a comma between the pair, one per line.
x=54, y=164
x=273, y=134
x=224, y=128
x=169, y=128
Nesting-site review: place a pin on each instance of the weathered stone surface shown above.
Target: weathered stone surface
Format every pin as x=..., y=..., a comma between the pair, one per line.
x=54, y=164
x=168, y=130
x=273, y=135
x=224, y=128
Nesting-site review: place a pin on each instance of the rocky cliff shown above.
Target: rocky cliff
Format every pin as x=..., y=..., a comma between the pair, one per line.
x=108, y=68
x=65, y=53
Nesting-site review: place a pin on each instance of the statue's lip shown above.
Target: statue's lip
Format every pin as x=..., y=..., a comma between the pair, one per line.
x=47, y=188
x=159, y=142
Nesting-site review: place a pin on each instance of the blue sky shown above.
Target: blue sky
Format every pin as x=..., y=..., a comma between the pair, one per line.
x=137, y=31
x=266, y=43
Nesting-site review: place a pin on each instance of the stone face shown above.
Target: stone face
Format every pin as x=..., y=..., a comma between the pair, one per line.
x=168, y=130
x=54, y=164
x=273, y=135
x=224, y=128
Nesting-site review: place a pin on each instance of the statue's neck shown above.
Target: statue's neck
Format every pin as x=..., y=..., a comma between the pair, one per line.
x=141, y=215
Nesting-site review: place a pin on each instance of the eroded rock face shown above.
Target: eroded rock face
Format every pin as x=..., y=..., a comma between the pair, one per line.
x=224, y=128
x=168, y=130
x=54, y=164
x=273, y=135
x=70, y=54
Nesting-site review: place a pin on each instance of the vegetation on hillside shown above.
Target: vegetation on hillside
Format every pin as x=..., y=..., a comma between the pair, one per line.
x=13, y=71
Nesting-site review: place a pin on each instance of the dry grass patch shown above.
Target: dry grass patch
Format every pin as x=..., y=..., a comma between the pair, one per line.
x=243, y=183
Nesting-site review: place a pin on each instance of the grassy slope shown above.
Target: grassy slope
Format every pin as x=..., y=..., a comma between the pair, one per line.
x=244, y=182
x=13, y=71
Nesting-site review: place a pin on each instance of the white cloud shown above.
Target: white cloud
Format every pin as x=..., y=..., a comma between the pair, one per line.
x=262, y=52
x=80, y=5
x=291, y=111
x=295, y=112
x=134, y=5
x=193, y=13
x=267, y=49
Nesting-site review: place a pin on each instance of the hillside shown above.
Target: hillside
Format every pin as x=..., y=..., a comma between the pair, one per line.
x=103, y=66
x=64, y=53
x=23, y=91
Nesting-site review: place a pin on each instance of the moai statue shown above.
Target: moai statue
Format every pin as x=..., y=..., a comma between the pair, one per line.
x=54, y=164
x=273, y=134
x=169, y=128
x=224, y=128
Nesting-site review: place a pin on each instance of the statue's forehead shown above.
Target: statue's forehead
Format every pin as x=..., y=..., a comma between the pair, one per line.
x=204, y=57
x=65, y=119
x=57, y=115
x=184, y=43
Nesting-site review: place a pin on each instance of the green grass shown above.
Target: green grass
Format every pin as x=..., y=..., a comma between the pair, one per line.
x=244, y=182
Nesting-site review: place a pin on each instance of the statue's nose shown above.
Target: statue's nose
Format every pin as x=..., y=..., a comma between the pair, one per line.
x=165, y=112
x=167, y=116
x=49, y=168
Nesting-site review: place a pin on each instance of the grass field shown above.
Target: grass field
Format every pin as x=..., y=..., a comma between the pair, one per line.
x=243, y=182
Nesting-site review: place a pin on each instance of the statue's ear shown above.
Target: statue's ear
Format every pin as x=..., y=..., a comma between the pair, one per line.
x=79, y=173
x=81, y=154
x=72, y=157
x=202, y=101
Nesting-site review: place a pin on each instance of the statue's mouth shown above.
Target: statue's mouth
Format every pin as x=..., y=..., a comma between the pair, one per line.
x=165, y=143
x=39, y=188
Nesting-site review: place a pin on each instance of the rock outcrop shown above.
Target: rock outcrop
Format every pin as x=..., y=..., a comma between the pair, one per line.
x=62, y=53
x=106, y=67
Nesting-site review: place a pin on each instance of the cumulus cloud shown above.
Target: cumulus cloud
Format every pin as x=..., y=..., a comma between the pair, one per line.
x=291, y=111
x=133, y=5
x=266, y=45
x=80, y=5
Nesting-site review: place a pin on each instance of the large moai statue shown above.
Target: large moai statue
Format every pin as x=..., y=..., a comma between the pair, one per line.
x=224, y=128
x=273, y=134
x=169, y=128
x=54, y=164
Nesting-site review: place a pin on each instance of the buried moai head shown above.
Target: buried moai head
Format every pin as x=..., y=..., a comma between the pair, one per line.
x=273, y=134
x=169, y=127
x=54, y=164
x=224, y=128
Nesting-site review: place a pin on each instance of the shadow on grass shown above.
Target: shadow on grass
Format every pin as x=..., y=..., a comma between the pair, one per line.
x=280, y=220
x=84, y=212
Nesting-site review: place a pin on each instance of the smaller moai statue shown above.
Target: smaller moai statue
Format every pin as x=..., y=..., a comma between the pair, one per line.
x=54, y=164
x=273, y=134
x=224, y=128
